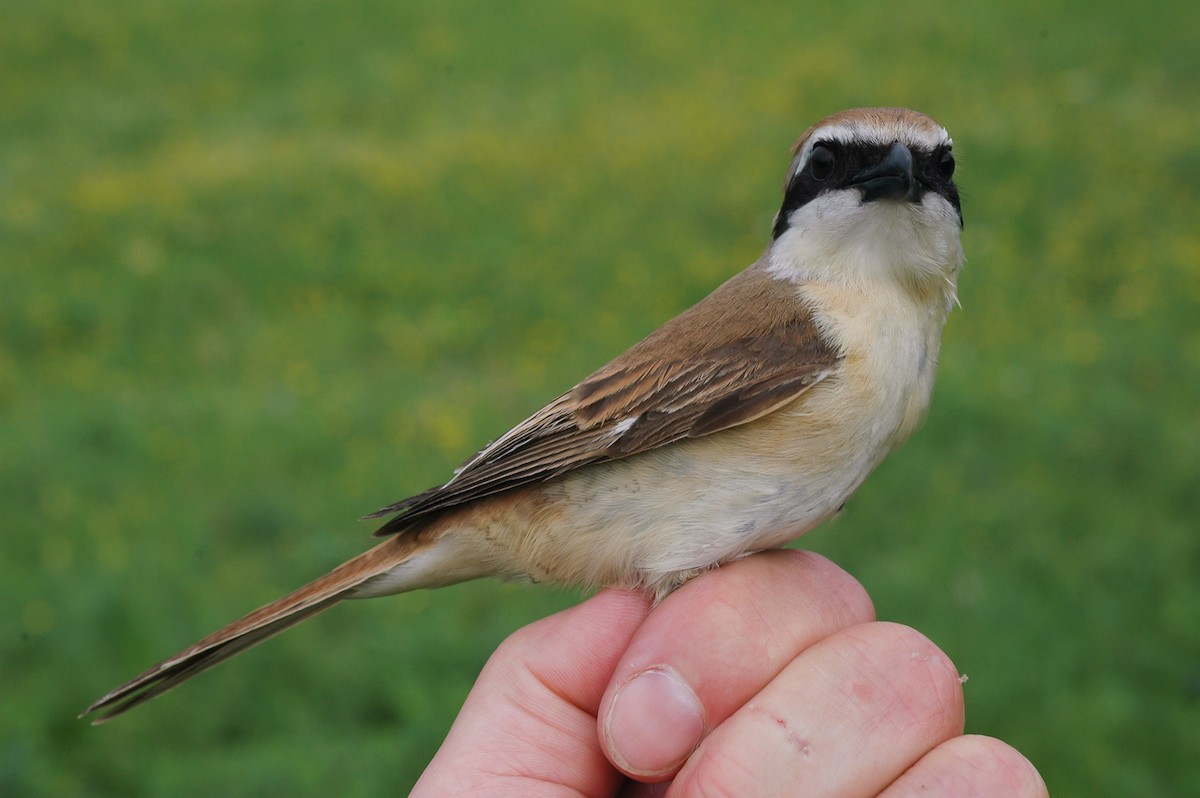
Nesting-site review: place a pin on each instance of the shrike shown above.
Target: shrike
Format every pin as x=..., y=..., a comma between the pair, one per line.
x=737, y=426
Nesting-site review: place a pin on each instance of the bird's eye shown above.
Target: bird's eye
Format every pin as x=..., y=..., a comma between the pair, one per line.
x=946, y=164
x=821, y=162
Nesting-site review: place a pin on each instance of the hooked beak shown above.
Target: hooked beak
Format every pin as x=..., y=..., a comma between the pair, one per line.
x=892, y=178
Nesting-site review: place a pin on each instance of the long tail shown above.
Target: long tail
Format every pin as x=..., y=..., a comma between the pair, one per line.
x=256, y=627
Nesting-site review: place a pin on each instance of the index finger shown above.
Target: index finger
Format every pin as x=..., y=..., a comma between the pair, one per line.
x=529, y=721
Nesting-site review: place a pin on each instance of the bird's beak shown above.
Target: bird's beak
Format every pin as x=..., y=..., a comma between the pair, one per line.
x=892, y=178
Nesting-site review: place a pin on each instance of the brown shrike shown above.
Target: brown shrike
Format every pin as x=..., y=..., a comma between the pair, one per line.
x=737, y=426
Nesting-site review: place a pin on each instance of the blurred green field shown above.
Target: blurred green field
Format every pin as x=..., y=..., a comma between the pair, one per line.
x=266, y=266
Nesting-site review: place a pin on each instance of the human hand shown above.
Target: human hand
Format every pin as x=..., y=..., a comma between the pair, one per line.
x=768, y=676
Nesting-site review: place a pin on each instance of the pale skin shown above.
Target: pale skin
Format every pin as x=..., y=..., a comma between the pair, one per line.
x=769, y=676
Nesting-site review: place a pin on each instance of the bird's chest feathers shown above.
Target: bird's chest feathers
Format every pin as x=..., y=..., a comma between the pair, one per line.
x=890, y=344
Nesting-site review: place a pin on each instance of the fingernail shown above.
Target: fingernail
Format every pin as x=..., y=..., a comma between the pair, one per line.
x=654, y=722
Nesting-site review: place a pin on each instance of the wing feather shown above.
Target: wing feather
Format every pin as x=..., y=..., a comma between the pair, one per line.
x=748, y=349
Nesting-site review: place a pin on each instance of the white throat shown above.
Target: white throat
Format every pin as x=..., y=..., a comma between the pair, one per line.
x=838, y=239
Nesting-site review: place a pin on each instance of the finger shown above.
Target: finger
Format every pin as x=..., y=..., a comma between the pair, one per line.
x=846, y=717
x=530, y=719
x=970, y=765
x=712, y=645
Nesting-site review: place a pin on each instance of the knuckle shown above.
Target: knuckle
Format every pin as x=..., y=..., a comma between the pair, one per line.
x=911, y=680
x=997, y=768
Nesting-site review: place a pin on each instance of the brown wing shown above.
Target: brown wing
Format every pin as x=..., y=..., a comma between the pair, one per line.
x=747, y=349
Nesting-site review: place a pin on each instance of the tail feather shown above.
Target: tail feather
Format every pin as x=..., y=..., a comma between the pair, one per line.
x=166, y=676
x=252, y=629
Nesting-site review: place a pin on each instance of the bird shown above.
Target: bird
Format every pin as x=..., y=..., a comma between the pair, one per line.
x=736, y=427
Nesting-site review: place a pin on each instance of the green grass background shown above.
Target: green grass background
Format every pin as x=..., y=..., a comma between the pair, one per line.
x=265, y=266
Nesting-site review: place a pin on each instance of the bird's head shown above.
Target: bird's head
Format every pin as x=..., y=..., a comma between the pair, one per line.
x=870, y=190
